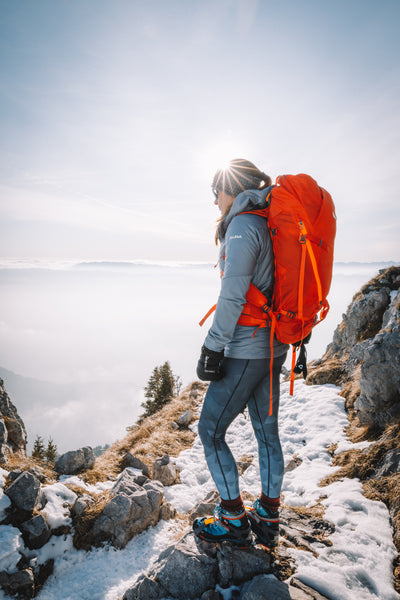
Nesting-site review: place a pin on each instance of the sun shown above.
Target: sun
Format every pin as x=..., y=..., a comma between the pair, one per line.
x=218, y=154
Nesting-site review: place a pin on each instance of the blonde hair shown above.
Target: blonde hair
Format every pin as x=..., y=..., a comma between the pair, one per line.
x=240, y=175
x=222, y=217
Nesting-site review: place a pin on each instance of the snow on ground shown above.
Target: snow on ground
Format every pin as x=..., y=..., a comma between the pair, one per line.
x=357, y=567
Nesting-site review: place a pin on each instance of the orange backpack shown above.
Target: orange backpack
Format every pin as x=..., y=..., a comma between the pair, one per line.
x=302, y=223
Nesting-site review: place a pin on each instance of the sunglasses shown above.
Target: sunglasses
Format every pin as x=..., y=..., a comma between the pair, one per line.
x=215, y=192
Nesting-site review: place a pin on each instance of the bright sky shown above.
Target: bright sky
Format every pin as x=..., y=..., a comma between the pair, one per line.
x=114, y=116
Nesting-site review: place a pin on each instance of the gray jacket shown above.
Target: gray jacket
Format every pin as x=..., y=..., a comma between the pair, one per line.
x=245, y=256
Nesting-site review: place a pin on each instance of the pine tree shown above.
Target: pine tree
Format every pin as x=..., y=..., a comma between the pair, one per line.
x=39, y=450
x=51, y=452
x=162, y=386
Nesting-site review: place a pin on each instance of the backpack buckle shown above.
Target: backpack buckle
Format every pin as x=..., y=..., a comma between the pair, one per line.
x=265, y=308
x=290, y=315
x=302, y=239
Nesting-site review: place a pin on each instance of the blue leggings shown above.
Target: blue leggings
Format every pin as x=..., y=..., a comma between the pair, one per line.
x=246, y=381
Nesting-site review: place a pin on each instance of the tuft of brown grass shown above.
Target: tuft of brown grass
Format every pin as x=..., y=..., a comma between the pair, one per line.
x=151, y=439
x=330, y=371
x=20, y=461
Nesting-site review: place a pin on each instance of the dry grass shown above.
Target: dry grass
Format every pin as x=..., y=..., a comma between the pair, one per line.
x=329, y=371
x=317, y=511
x=363, y=463
x=20, y=461
x=153, y=438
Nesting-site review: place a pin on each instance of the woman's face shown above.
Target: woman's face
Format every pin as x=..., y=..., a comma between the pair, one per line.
x=223, y=201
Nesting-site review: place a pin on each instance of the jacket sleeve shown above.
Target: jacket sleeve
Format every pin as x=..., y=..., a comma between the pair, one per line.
x=242, y=247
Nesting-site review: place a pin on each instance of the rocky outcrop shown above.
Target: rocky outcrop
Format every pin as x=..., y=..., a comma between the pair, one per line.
x=165, y=470
x=12, y=429
x=364, y=358
x=133, y=504
x=365, y=352
x=191, y=569
x=75, y=461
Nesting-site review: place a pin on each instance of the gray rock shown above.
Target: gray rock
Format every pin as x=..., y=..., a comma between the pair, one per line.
x=36, y=532
x=184, y=572
x=238, y=566
x=131, y=509
x=145, y=589
x=167, y=512
x=3, y=432
x=81, y=504
x=379, y=400
x=265, y=587
x=164, y=471
x=130, y=460
x=13, y=436
x=185, y=419
x=20, y=583
x=75, y=461
x=12, y=476
x=25, y=492
x=211, y=595
x=164, y=460
x=301, y=591
x=362, y=320
x=181, y=571
x=390, y=464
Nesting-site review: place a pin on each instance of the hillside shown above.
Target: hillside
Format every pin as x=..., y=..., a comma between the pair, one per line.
x=120, y=526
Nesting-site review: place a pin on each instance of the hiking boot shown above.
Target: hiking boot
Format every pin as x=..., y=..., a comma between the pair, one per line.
x=264, y=523
x=224, y=526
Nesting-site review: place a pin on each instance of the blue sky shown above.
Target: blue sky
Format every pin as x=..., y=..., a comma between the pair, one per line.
x=114, y=116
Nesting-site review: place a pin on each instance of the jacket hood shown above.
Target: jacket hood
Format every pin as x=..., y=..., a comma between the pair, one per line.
x=245, y=201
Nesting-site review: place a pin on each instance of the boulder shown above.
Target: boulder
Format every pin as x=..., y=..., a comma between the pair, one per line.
x=185, y=419
x=13, y=436
x=81, y=504
x=130, y=460
x=75, y=461
x=36, y=532
x=379, y=400
x=20, y=584
x=25, y=492
x=164, y=470
x=390, y=463
x=265, y=587
x=237, y=566
x=131, y=509
x=181, y=571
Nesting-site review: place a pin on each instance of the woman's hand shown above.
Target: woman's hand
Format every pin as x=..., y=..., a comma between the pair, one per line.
x=209, y=365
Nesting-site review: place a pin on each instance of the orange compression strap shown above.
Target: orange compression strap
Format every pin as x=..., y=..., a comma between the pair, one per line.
x=255, y=312
x=292, y=371
x=210, y=312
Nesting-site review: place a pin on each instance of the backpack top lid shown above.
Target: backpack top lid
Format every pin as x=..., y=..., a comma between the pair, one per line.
x=303, y=197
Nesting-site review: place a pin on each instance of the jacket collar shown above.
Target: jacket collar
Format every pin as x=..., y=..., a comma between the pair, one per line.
x=245, y=201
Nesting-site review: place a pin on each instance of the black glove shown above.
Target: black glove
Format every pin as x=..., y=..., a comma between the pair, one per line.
x=209, y=365
x=301, y=363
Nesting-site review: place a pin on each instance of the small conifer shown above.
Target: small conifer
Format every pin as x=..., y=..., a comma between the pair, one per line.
x=39, y=451
x=161, y=387
x=51, y=452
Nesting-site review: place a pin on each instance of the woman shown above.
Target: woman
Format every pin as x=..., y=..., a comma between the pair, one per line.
x=235, y=358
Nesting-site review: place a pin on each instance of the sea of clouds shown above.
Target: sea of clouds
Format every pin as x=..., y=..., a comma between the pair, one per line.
x=78, y=341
